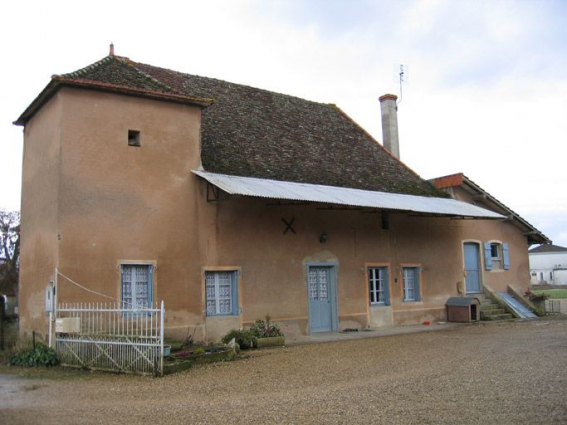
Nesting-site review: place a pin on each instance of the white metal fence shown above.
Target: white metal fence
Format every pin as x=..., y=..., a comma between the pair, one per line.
x=108, y=336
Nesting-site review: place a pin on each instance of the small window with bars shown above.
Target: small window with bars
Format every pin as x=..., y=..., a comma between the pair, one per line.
x=221, y=293
x=379, y=285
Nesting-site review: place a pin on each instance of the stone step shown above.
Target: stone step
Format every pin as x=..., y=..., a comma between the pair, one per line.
x=498, y=317
x=488, y=307
x=494, y=312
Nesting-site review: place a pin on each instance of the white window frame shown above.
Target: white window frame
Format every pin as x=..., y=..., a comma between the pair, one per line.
x=377, y=285
x=496, y=260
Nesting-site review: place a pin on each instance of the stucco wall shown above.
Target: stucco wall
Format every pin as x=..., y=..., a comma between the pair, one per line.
x=548, y=260
x=117, y=203
x=121, y=203
x=249, y=233
x=501, y=231
x=39, y=214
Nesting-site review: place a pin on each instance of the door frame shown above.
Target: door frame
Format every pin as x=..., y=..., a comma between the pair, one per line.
x=480, y=265
x=333, y=273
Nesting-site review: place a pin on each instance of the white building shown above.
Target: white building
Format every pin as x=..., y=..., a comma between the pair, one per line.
x=548, y=265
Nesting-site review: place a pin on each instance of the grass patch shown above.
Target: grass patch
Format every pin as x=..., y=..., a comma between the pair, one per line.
x=552, y=293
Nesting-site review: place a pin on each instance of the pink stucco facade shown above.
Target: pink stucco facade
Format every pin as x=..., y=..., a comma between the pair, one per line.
x=91, y=203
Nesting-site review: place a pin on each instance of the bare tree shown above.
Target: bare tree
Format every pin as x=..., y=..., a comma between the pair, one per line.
x=9, y=251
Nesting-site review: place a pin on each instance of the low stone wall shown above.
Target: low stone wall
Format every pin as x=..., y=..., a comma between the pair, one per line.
x=556, y=306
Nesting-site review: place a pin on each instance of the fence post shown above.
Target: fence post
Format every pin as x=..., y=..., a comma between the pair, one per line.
x=162, y=314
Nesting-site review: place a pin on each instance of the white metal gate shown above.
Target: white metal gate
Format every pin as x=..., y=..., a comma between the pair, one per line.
x=110, y=337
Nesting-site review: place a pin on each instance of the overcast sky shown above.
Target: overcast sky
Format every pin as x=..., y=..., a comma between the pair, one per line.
x=486, y=92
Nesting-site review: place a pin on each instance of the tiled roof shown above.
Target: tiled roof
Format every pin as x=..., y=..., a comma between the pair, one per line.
x=547, y=248
x=257, y=133
x=486, y=200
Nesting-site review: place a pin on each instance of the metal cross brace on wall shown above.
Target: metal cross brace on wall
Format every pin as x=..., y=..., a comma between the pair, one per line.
x=288, y=225
x=213, y=193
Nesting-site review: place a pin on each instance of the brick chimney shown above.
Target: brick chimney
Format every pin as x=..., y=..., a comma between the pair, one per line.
x=390, y=123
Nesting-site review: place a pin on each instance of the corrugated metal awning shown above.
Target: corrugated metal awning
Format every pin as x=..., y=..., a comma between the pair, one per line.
x=303, y=192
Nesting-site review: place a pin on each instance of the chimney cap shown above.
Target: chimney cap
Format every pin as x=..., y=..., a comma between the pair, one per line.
x=388, y=97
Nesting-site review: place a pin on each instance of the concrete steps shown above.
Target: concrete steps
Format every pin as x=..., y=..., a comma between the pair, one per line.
x=491, y=311
x=492, y=317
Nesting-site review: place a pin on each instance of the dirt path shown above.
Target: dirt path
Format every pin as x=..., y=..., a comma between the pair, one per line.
x=500, y=373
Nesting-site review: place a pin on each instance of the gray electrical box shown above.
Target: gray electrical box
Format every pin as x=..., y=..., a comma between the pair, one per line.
x=49, y=292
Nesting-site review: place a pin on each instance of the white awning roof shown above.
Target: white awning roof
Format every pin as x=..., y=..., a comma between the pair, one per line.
x=303, y=192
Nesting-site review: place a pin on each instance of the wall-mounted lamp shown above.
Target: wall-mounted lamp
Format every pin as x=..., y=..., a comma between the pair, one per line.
x=323, y=238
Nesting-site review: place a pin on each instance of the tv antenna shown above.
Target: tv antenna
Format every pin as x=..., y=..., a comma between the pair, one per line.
x=401, y=77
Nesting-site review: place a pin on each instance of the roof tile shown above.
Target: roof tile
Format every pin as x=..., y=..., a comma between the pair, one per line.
x=258, y=133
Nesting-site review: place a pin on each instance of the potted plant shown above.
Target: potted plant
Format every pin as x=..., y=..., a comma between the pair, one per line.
x=267, y=334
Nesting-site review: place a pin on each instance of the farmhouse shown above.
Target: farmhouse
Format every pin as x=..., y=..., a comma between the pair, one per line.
x=230, y=203
x=548, y=265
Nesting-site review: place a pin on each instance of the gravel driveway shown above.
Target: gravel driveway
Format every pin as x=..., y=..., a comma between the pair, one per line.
x=497, y=373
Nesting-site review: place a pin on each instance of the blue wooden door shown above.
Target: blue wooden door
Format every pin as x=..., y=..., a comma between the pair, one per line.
x=472, y=268
x=321, y=296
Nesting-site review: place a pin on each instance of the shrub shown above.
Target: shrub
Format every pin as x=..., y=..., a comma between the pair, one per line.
x=536, y=297
x=265, y=329
x=243, y=337
x=41, y=355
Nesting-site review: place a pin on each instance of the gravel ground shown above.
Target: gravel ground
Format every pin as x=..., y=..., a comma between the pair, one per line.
x=497, y=373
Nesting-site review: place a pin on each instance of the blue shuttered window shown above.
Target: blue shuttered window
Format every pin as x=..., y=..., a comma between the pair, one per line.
x=506, y=256
x=487, y=256
x=221, y=293
x=379, y=285
x=496, y=256
x=412, y=286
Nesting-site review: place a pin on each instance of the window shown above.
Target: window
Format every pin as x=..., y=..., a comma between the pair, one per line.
x=137, y=285
x=411, y=284
x=134, y=138
x=221, y=293
x=496, y=256
x=379, y=285
x=495, y=252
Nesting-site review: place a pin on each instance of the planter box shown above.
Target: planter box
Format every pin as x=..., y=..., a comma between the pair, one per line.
x=273, y=341
x=218, y=356
x=176, y=366
x=179, y=364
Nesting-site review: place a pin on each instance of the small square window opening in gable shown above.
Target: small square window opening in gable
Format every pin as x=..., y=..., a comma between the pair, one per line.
x=378, y=285
x=134, y=138
x=221, y=293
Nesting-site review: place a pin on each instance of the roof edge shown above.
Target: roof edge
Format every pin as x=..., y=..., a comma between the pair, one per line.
x=58, y=81
x=358, y=198
x=459, y=179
